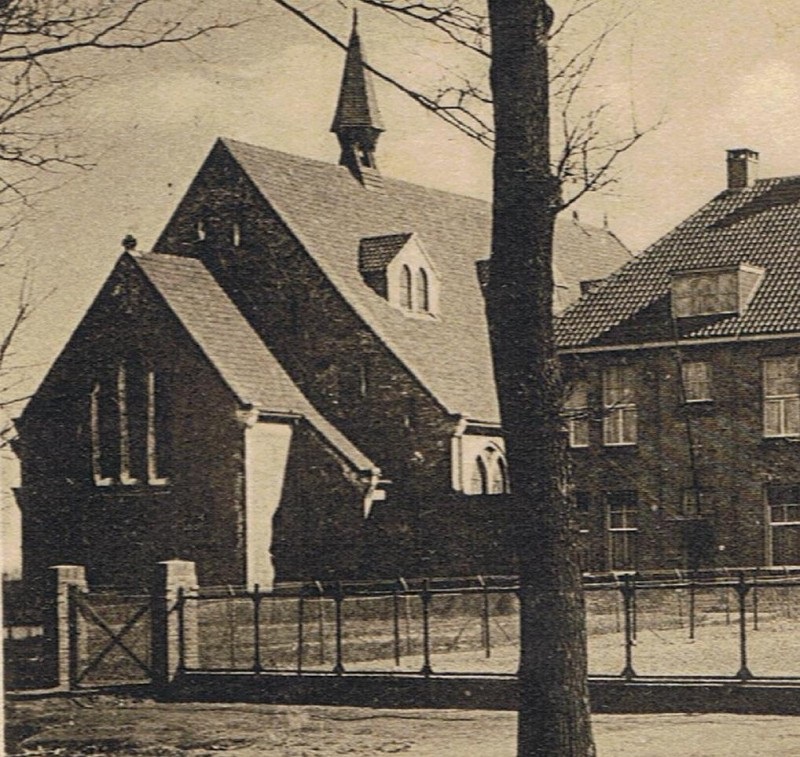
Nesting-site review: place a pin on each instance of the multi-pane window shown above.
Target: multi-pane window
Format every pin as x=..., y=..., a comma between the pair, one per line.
x=622, y=517
x=619, y=406
x=576, y=410
x=705, y=293
x=128, y=425
x=696, y=381
x=783, y=502
x=781, y=396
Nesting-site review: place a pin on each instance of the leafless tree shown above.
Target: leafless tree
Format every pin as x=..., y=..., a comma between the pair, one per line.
x=48, y=52
x=535, y=74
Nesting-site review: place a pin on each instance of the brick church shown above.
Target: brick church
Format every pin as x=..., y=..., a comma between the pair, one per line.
x=296, y=383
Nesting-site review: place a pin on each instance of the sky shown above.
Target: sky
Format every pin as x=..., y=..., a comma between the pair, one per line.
x=712, y=75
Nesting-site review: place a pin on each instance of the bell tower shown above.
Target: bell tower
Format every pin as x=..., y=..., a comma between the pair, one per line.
x=357, y=123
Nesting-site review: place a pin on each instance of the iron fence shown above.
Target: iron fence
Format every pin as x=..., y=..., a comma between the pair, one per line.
x=737, y=626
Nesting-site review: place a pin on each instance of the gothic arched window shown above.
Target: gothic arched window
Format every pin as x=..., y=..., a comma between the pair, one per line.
x=406, y=294
x=423, y=293
x=480, y=477
x=499, y=478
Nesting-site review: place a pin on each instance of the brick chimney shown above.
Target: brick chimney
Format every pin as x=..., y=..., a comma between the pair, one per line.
x=742, y=168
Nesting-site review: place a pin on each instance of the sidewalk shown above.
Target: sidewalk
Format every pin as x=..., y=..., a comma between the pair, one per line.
x=116, y=726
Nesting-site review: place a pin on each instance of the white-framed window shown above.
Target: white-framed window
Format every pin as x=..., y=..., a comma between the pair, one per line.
x=783, y=504
x=622, y=523
x=128, y=425
x=576, y=409
x=705, y=293
x=619, y=406
x=489, y=473
x=781, y=391
x=696, y=381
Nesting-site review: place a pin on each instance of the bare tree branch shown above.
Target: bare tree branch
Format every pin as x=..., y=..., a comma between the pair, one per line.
x=585, y=154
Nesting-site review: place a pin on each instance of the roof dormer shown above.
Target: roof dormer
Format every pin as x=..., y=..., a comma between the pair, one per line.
x=397, y=267
x=714, y=291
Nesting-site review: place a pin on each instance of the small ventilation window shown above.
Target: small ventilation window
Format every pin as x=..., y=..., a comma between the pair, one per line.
x=236, y=235
x=200, y=230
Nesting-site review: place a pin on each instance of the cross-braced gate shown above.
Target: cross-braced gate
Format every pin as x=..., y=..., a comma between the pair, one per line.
x=109, y=638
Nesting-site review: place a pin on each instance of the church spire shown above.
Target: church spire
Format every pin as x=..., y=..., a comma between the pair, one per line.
x=357, y=123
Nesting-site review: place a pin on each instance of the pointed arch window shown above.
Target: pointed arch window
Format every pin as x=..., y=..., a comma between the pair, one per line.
x=489, y=473
x=499, y=481
x=406, y=293
x=423, y=292
x=480, y=477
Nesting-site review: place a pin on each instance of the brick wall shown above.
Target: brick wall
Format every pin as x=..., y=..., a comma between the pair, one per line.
x=315, y=334
x=119, y=532
x=732, y=459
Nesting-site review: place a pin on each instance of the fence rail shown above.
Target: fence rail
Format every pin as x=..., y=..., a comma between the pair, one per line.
x=737, y=626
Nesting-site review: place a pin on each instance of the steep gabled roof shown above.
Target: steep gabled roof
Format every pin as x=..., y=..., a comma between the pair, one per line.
x=330, y=213
x=229, y=343
x=757, y=225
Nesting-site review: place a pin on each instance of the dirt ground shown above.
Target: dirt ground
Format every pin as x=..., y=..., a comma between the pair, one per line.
x=89, y=726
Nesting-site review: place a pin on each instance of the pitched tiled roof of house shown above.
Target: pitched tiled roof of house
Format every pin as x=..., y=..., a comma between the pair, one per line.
x=233, y=348
x=330, y=213
x=758, y=225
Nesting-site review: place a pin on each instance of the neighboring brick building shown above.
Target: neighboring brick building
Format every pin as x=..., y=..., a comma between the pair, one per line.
x=684, y=376
x=308, y=346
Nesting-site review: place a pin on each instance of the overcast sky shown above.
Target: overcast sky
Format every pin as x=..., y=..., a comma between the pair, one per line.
x=717, y=73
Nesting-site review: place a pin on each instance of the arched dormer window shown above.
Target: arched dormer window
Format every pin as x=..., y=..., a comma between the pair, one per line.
x=423, y=301
x=406, y=293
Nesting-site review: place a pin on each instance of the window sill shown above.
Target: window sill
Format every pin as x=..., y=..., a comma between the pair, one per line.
x=707, y=402
x=625, y=445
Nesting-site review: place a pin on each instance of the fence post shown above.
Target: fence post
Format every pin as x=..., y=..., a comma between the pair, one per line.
x=64, y=627
x=628, y=591
x=173, y=615
x=426, y=629
x=338, y=599
x=741, y=589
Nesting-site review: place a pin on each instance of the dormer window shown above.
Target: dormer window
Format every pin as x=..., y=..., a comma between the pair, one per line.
x=715, y=291
x=422, y=298
x=406, y=294
x=398, y=268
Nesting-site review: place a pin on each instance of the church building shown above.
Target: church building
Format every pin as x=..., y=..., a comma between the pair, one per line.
x=296, y=383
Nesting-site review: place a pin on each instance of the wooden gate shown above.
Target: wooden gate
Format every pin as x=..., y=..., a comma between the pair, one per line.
x=110, y=638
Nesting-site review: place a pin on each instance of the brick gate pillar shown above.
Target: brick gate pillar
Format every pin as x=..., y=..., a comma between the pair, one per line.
x=64, y=626
x=174, y=620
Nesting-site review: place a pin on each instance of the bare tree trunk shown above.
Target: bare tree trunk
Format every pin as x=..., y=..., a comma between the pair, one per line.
x=554, y=708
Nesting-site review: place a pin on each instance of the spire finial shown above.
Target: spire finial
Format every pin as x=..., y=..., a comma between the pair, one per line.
x=357, y=122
